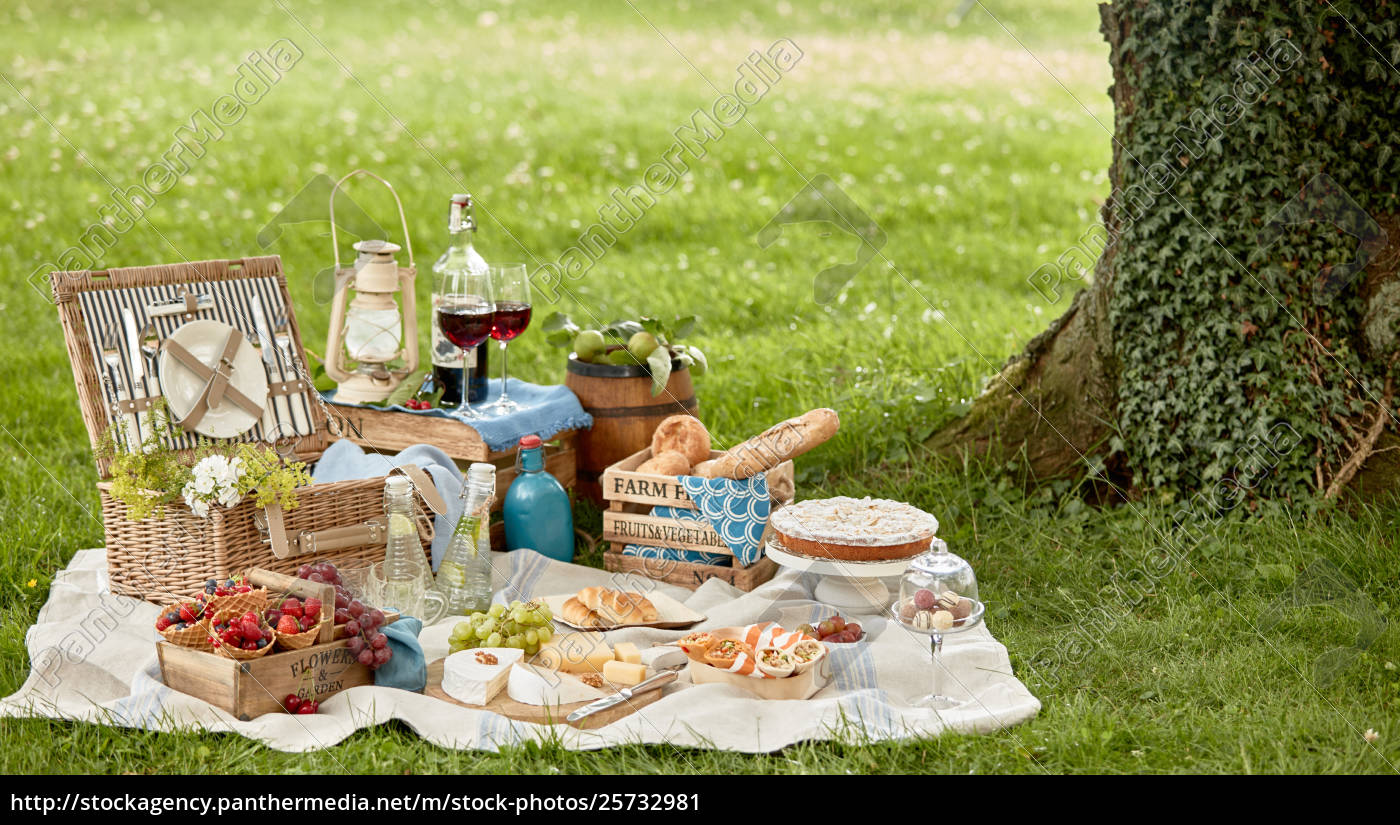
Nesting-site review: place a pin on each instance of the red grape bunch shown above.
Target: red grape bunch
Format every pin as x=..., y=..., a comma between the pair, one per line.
x=363, y=624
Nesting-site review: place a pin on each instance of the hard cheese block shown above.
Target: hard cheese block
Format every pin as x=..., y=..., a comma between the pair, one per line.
x=628, y=652
x=624, y=673
x=574, y=653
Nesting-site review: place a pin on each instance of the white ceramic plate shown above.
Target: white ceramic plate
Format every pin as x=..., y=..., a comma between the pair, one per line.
x=205, y=341
x=671, y=613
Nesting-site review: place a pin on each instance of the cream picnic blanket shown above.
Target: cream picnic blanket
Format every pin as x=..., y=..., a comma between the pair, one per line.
x=92, y=658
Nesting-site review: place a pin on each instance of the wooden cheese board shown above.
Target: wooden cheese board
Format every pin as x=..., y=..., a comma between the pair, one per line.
x=541, y=714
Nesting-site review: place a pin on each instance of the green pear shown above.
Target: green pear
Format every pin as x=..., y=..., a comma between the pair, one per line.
x=642, y=345
x=588, y=344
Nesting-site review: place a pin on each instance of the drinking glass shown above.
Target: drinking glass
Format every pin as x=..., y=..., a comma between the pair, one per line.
x=408, y=592
x=466, y=315
x=511, y=291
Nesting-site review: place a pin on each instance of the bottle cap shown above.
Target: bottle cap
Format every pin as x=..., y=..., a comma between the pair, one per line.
x=530, y=442
x=481, y=472
x=398, y=485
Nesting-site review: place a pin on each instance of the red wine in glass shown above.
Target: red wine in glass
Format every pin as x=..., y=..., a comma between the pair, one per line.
x=511, y=319
x=466, y=326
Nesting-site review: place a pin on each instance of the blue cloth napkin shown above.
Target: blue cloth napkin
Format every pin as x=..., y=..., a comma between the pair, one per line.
x=544, y=411
x=344, y=460
x=736, y=509
x=408, y=669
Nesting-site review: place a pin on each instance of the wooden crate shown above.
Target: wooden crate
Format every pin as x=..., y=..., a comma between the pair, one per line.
x=251, y=688
x=389, y=431
x=631, y=495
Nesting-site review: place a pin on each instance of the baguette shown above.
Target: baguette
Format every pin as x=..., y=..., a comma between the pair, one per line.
x=779, y=443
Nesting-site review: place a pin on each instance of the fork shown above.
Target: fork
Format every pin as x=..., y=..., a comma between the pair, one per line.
x=301, y=413
x=112, y=357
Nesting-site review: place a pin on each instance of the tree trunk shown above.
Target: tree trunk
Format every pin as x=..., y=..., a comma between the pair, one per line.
x=1240, y=330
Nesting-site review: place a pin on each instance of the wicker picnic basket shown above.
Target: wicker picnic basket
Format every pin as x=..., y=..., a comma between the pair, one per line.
x=162, y=559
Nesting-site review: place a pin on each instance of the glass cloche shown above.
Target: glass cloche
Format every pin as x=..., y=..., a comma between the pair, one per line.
x=937, y=580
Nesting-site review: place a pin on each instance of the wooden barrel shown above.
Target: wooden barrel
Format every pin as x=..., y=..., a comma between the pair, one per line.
x=625, y=414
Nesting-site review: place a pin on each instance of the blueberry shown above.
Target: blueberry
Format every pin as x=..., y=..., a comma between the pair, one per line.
x=174, y=617
x=211, y=583
x=262, y=643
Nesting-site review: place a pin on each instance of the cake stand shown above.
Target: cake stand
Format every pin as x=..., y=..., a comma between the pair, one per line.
x=848, y=585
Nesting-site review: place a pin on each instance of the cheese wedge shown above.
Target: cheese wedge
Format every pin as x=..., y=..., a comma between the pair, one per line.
x=628, y=652
x=574, y=653
x=624, y=673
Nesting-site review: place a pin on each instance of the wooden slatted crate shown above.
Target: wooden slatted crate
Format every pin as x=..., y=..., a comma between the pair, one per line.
x=631, y=495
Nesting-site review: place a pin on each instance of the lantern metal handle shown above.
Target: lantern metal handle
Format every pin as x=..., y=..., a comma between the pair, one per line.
x=403, y=219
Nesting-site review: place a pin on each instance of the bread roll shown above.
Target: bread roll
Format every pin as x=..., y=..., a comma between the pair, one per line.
x=684, y=434
x=577, y=614
x=780, y=442
x=704, y=469
x=617, y=606
x=668, y=463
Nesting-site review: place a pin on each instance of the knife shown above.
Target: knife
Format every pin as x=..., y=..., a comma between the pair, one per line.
x=661, y=679
x=202, y=302
x=138, y=367
x=268, y=349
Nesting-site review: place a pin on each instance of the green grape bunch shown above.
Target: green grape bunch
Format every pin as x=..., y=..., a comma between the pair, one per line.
x=521, y=625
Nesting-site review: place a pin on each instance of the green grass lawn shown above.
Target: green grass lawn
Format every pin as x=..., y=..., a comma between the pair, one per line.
x=971, y=154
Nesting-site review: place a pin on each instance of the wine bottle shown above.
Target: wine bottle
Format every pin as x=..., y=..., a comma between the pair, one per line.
x=446, y=356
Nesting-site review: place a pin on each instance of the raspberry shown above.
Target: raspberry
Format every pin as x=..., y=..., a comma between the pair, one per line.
x=162, y=622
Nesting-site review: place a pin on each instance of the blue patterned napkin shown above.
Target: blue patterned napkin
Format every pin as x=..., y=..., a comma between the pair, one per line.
x=738, y=510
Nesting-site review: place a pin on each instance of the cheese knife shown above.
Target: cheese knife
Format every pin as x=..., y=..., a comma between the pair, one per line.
x=202, y=303
x=656, y=682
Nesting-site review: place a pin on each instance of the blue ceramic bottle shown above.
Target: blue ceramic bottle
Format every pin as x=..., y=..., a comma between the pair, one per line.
x=537, y=512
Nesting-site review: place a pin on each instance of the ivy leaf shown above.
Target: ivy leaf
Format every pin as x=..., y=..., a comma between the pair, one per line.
x=660, y=363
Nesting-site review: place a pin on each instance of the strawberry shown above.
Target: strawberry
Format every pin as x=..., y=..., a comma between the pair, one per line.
x=292, y=607
x=312, y=608
x=288, y=625
x=188, y=614
x=251, y=630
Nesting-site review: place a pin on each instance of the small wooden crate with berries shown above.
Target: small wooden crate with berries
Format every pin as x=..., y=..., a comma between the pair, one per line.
x=268, y=642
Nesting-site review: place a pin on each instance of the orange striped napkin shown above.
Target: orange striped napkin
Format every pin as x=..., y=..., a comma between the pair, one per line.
x=760, y=635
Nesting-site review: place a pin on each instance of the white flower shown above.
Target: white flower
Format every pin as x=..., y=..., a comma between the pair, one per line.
x=199, y=507
x=203, y=483
x=229, y=496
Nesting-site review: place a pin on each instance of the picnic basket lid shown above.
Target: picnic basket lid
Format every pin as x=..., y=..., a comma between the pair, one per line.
x=230, y=278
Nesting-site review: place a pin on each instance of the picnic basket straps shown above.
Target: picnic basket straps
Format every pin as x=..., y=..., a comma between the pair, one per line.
x=368, y=532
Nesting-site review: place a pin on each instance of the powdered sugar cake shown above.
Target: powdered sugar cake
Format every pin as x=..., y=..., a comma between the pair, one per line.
x=854, y=529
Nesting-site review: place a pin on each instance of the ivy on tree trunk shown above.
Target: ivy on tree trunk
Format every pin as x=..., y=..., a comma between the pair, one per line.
x=1238, y=331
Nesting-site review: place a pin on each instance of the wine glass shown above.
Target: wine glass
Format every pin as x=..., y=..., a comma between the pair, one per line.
x=511, y=290
x=466, y=316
